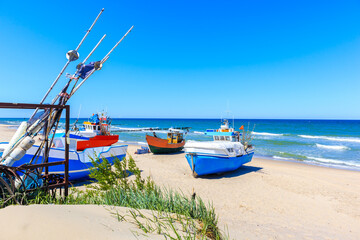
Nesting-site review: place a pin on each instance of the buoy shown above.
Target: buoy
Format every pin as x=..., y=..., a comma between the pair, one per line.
x=18, y=134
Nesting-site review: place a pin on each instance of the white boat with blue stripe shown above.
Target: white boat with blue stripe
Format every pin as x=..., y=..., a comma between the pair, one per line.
x=226, y=153
x=79, y=161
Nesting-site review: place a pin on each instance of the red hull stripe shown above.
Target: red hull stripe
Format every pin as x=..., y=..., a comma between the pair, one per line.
x=97, y=141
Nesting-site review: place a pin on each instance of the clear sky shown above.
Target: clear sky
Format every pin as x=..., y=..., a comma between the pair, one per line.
x=189, y=59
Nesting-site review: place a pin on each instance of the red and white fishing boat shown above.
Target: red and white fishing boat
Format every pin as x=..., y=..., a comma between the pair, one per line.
x=97, y=129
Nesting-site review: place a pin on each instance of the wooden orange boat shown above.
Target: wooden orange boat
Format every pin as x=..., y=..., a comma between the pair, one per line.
x=174, y=143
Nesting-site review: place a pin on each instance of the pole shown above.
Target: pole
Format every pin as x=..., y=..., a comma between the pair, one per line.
x=53, y=101
x=66, y=177
x=67, y=63
x=88, y=31
x=107, y=55
x=92, y=51
x=102, y=61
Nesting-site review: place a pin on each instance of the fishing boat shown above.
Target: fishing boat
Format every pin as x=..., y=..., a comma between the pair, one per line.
x=80, y=160
x=97, y=124
x=21, y=149
x=97, y=130
x=226, y=153
x=173, y=143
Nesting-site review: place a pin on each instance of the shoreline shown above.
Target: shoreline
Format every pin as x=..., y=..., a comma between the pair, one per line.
x=264, y=199
x=309, y=163
x=7, y=131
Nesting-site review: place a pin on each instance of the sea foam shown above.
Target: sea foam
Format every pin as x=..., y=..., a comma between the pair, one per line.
x=267, y=134
x=333, y=161
x=282, y=158
x=331, y=147
x=337, y=139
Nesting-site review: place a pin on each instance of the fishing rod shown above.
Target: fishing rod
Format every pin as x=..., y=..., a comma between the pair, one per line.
x=71, y=55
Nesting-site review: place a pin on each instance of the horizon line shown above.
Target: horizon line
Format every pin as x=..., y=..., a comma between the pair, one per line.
x=164, y=118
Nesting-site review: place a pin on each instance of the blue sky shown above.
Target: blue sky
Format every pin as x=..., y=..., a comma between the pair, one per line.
x=189, y=59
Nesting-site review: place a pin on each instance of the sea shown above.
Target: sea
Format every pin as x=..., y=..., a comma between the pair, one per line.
x=330, y=143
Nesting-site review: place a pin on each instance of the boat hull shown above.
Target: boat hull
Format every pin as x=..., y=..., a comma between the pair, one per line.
x=79, y=161
x=205, y=164
x=97, y=141
x=161, y=150
x=161, y=146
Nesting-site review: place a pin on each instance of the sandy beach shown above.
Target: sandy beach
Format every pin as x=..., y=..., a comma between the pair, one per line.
x=265, y=199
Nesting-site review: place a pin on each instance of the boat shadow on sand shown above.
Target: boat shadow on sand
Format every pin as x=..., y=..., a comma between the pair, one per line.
x=236, y=173
x=166, y=154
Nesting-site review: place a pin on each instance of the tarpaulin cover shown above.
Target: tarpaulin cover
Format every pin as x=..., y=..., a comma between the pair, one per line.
x=85, y=69
x=95, y=119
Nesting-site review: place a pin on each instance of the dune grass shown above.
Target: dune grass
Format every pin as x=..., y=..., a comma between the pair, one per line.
x=122, y=185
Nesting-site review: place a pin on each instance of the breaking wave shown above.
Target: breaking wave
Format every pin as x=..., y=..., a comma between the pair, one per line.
x=267, y=134
x=337, y=139
x=282, y=158
x=332, y=161
x=341, y=148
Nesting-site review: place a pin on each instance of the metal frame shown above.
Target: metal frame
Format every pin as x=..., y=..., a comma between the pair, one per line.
x=46, y=164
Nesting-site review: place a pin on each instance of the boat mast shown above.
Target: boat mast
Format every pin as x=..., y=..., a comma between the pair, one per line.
x=51, y=116
x=72, y=55
x=101, y=63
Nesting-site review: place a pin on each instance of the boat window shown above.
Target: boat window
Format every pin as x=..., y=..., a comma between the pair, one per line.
x=216, y=137
x=230, y=150
x=227, y=138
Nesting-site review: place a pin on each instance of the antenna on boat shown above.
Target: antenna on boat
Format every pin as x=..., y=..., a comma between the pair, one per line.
x=234, y=122
x=79, y=111
x=71, y=55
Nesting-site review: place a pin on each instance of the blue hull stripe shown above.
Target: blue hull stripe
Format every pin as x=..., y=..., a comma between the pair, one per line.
x=77, y=169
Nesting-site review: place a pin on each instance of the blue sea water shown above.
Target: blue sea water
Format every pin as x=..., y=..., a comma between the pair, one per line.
x=332, y=143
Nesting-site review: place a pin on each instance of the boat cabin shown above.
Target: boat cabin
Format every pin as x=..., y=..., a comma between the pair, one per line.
x=175, y=137
x=100, y=125
x=224, y=133
x=225, y=136
x=89, y=127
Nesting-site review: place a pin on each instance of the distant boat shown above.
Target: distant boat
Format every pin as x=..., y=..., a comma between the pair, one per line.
x=97, y=129
x=173, y=143
x=95, y=132
x=226, y=153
